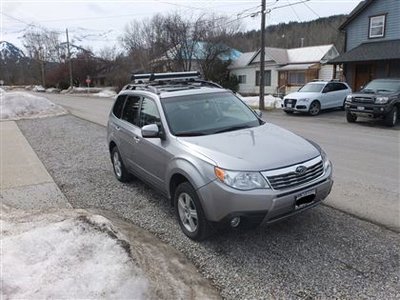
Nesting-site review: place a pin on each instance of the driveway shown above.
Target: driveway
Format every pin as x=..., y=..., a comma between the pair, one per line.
x=365, y=155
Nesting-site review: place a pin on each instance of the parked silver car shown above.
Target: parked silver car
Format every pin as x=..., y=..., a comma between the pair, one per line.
x=211, y=155
x=316, y=96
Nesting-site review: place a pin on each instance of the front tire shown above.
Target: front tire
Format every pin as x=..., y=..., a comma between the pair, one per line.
x=190, y=214
x=315, y=108
x=391, y=118
x=350, y=117
x=118, y=166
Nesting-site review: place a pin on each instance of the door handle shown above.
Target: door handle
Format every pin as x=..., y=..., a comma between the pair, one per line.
x=136, y=139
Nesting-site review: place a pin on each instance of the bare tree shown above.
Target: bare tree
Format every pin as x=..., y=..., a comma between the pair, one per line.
x=42, y=45
x=176, y=43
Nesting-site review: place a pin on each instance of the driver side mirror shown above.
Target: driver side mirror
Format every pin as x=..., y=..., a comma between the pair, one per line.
x=150, y=131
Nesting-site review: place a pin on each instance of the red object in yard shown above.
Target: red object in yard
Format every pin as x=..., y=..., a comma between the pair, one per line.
x=88, y=81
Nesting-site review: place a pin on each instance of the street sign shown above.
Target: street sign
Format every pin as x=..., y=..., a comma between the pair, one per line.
x=88, y=81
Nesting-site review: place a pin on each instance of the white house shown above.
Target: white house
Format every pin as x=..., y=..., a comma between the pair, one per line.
x=285, y=69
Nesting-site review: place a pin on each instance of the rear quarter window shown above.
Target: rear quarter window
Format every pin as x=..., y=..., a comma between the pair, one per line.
x=118, y=105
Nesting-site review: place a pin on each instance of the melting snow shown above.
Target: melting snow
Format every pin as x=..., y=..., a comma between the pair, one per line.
x=22, y=105
x=269, y=101
x=66, y=255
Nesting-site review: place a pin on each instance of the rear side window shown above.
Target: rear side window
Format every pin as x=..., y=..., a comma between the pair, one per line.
x=340, y=86
x=119, y=104
x=149, y=113
x=131, y=110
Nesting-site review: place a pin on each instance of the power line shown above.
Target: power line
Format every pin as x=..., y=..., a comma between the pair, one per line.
x=294, y=11
x=315, y=13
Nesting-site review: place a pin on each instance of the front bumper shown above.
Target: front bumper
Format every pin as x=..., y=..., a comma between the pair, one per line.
x=221, y=202
x=369, y=110
x=296, y=106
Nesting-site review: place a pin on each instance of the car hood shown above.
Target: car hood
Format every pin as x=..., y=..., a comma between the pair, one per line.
x=301, y=95
x=374, y=95
x=254, y=149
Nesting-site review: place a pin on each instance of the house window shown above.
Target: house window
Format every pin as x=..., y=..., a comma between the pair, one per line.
x=242, y=78
x=377, y=26
x=296, y=78
x=267, y=78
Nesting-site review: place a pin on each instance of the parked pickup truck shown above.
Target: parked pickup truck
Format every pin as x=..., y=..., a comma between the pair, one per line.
x=380, y=98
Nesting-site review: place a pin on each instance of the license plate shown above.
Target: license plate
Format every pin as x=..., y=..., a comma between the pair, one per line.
x=360, y=107
x=288, y=104
x=304, y=199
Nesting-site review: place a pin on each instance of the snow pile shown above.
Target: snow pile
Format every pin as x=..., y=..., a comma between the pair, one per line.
x=22, y=105
x=66, y=255
x=52, y=90
x=38, y=88
x=270, y=101
x=82, y=90
x=106, y=94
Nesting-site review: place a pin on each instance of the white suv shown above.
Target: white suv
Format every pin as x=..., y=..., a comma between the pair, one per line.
x=316, y=96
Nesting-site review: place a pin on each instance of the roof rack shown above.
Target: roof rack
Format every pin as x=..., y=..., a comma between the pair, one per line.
x=151, y=77
x=157, y=82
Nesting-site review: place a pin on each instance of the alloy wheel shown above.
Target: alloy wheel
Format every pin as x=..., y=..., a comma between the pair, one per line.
x=314, y=109
x=187, y=212
x=117, y=164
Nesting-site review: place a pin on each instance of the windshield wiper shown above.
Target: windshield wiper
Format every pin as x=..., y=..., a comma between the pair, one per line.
x=232, y=128
x=191, y=133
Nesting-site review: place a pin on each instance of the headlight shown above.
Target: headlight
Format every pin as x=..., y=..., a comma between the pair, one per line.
x=381, y=100
x=305, y=99
x=241, y=180
x=325, y=159
x=349, y=98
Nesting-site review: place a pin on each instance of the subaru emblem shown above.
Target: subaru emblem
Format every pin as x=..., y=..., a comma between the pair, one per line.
x=300, y=170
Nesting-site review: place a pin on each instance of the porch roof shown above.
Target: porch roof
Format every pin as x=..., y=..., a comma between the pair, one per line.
x=295, y=67
x=371, y=51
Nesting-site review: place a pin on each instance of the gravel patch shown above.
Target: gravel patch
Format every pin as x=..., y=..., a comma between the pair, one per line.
x=322, y=253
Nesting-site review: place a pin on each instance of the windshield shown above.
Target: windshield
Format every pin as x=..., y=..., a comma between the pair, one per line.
x=204, y=114
x=382, y=86
x=312, y=88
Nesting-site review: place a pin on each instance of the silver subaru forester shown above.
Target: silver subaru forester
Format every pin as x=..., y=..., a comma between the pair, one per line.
x=211, y=155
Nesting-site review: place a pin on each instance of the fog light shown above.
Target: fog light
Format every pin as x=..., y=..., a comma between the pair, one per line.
x=382, y=109
x=235, y=221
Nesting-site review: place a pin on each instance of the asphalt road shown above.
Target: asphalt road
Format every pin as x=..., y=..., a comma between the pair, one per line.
x=322, y=253
x=365, y=155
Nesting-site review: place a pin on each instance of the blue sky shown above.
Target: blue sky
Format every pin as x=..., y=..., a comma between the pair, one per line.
x=102, y=22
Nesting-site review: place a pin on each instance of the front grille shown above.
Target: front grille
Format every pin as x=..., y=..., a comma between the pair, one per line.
x=289, y=178
x=363, y=99
x=291, y=102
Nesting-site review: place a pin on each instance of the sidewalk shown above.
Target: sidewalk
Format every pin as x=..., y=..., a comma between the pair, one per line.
x=24, y=181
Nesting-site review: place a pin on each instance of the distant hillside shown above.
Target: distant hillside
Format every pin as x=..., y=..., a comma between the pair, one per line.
x=288, y=35
x=9, y=52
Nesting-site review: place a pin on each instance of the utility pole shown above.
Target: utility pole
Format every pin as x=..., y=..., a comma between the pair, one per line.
x=262, y=55
x=71, y=83
x=41, y=58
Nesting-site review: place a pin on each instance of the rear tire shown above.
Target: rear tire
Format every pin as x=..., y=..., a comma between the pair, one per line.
x=118, y=166
x=391, y=118
x=350, y=117
x=190, y=213
x=315, y=108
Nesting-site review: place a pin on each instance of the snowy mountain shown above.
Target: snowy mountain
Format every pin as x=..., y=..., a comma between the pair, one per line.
x=9, y=52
